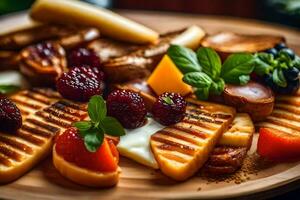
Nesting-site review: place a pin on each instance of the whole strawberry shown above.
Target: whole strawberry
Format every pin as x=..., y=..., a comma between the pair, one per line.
x=10, y=116
x=169, y=108
x=128, y=107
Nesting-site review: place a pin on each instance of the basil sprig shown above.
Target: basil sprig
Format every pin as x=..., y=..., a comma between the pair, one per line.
x=268, y=64
x=7, y=89
x=93, y=131
x=205, y=72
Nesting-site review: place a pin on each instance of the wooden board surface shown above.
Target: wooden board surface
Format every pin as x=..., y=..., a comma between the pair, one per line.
x=137, y=181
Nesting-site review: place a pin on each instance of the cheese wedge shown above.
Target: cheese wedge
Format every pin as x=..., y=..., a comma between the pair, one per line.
x=240, y=133
x=44, y=115
x=109, y=23
x=190, y=38
x=136, y=144
x=182, y=149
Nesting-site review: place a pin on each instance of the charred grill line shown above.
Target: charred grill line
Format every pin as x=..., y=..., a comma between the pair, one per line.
x=26, y=104
x=9, y=152
x=15, y=144
x=33, y=96
x=73, y=105
x=198, y=134
x=61, y=114
x=174, y=146
x=213, y=115
x=4, y=161
x=37, y=131
x=46, y=92
x=203, y=119
x=29, y=137
x=177, y=136
x=62, y=107
x=50, y=128
x=50, y=118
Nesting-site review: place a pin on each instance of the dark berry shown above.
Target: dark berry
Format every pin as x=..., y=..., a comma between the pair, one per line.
x=288, y=52
x=79, y=84
x=291, y=74
x=272, y=51
x=268, y=80
x=169, y=108
x=280, y=46
x=82, y=56
x=10, y=116
x=291, y=88
x=128, y=107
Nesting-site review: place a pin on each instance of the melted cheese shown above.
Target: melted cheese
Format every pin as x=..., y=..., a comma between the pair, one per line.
x=136, y=144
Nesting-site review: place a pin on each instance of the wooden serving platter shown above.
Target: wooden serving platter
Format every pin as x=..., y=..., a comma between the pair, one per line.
x=256, y=178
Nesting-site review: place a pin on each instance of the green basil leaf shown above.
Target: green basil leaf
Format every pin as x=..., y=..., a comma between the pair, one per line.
x=210, y=62
x=112, y=127
x=97, y=108
x=185, y=59
x=217, y=87
x=7, y=89
x=93, y=141
x=296, y=62
x=279, y=78
x=83, y=125
x=197, y=79
x=244, y=79
x=262, y=67
x=202, y=93
x=236, y=65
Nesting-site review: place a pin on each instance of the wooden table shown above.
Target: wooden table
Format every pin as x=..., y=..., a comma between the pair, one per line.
x=44, y=182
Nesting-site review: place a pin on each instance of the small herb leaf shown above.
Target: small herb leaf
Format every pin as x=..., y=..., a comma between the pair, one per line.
x=93, y=141
x=217, y=87
x=185, y=59
x=202, y=93
x=244, y=79
x=197, y=79
x=7, y=89
x=112, y=127
x=263, y=63
x=83, y=125
x=210, y=62
x=97, y=108
x=279, y=78
x=168, y=100
x=237, y=65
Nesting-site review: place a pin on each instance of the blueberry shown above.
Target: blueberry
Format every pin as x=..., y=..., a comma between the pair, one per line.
x=280, y=46
x=291, y=88
x=291, y=74
x=272, y=51
x=268, y=80
x=288, y=52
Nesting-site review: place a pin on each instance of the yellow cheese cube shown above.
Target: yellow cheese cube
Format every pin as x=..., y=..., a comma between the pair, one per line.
x=167, y=78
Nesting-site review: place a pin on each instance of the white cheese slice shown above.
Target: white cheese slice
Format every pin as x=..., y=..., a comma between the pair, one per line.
x=136, y=144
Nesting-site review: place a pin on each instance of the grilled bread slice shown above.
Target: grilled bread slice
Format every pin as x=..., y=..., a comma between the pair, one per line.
x=182, y=149
x=232, y=148
x=44, y=114
x=285, y=116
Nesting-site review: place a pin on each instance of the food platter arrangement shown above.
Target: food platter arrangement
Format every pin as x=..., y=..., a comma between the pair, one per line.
x=119, y=110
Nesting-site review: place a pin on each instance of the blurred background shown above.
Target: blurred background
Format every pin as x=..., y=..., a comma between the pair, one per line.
x=280, y=11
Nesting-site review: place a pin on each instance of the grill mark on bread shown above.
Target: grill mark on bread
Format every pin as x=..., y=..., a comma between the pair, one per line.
x=4, y=149
x=281, y=123
x=213, y=115
x=26, y=104
x=34, y=96
x=48, y=127
x=198, y=134
x=73, y=105
x=37, y=131
x=29, y=137
x=50, y=118
x=288, y=109
x=61, y=114
x=47, y=93
x=4, y=161
x=15, y=144
x=177, y=136
x=203, y=120
x=174, y=157
x=62, y=107
x=173, y=146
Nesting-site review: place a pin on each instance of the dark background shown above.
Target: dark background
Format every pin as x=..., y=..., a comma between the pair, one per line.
x=285, y=12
